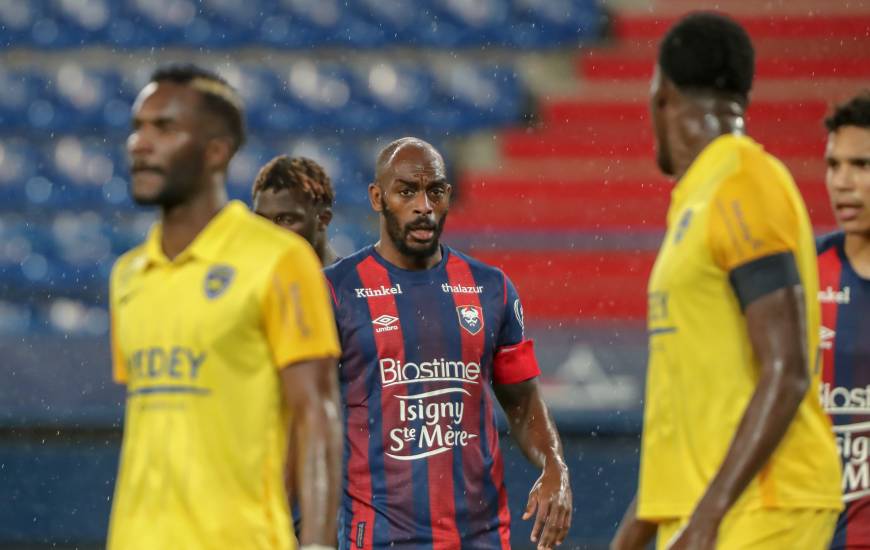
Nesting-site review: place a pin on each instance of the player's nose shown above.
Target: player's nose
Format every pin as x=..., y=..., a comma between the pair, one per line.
x=139, y=144
x=423, y=205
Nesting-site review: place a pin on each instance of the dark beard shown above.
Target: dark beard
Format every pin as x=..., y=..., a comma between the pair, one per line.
x=397, y=235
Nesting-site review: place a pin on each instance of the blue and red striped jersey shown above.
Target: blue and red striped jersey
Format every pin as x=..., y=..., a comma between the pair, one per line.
x=845, y=390
x=422, y=467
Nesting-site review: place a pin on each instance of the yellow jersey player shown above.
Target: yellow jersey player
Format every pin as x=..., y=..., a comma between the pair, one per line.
x=736, y=450
x=223, y=333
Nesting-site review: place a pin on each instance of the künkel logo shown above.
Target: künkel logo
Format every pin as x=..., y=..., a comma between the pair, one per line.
x=382, y=291
x=470, y=318
x=217, y=280
x=831, y=296
x=386, y=323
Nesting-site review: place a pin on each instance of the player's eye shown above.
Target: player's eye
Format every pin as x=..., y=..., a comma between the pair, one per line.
x=406, y=193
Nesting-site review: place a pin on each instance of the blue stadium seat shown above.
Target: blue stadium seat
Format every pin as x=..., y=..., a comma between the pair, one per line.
x=466, y=23
x=245, y=165
x=17, y=18
x=549, y=23
x=24, y=255
x=88, y=100
x=87, y=173
x=326, y=92
x=24, y=103
x=266, y=108
x=477, y=96
x=399, y=20
x=16, y=319
x=322, y=23
x=341, y=163
x=85, y=21
x=397, y=92
x=20, y=166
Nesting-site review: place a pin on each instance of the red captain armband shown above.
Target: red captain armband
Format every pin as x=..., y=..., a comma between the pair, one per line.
x=516, y=363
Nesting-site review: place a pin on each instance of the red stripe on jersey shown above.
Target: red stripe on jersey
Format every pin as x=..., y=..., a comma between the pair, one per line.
x=459, y=274
x=390, y=344
x=830, y=269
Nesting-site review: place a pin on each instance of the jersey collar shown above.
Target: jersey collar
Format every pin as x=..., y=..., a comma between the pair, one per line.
x=206, y=246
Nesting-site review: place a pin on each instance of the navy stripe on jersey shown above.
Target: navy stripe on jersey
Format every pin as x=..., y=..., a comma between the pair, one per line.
x=845, y=392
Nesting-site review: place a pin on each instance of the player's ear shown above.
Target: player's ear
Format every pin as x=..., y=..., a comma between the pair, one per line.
x=324, y=217
x=218, y=152
x=375, y=196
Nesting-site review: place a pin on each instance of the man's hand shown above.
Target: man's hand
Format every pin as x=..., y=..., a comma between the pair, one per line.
x=699, y=534
x=551, y=497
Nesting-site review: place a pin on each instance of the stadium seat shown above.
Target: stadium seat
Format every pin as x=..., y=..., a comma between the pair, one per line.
x=81, y=168
x=19, y=174
x=88, y=100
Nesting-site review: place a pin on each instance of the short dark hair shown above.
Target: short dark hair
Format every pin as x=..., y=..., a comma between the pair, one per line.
x=283, y=172
x=708, y=52
x=218, y=96
x=855, y=112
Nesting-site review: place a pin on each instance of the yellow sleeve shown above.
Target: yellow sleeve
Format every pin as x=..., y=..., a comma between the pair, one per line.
x=119, y=363
x=751, y=219
x=297, y=313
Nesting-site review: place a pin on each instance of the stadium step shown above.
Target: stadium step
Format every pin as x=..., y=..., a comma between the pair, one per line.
x=607, y=65
x=806, y=26
x=569, y=111
x=566, y=286
x=502, y=203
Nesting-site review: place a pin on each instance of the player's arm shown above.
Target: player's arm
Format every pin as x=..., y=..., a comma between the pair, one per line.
x=633, y=533
x=535, y=433
x=301, y=331
x=311, y=392
x=765, y=279
x=515, y=381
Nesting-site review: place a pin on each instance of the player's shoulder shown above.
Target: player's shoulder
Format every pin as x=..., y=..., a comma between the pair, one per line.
x=755, y=166
x=754, y=176
x=830, y=241
x=339, y=270
x=481, y=271
x=258, y=236
x=128, y=264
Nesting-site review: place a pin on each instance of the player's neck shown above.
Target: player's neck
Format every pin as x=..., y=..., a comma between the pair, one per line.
x=391, y=254
x=326, y=254
x=706, y=118
x=857, y=248
x=183, y=222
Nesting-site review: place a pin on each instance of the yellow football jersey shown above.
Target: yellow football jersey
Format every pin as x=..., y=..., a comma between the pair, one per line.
x=735, y=204
x=199, y=342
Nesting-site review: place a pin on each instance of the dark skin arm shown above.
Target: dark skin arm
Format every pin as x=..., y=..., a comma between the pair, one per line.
x=777, y=329
x=633, y=533
x=536, y=434
x=314, y=455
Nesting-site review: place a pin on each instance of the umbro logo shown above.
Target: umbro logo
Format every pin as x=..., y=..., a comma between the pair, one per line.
x=386, y=323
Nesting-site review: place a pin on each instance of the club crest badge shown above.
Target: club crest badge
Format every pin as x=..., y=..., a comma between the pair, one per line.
x=470, y=318
x=218, y=280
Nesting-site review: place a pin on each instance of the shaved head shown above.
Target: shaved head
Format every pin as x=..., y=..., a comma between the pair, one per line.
x=412, y=195
x=404, y=149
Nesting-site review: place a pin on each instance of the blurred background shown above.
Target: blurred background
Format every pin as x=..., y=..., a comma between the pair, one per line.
x=540, y=107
